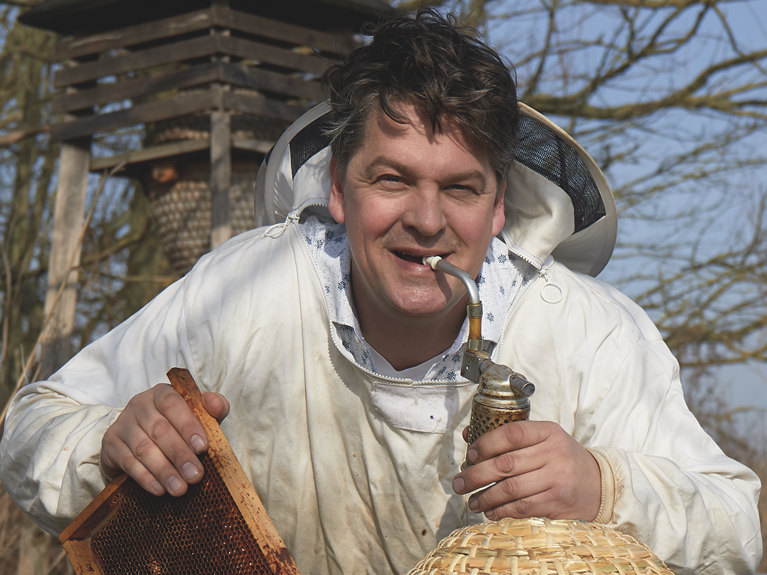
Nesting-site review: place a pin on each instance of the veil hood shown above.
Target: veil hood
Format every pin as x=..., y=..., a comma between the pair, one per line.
x=557, y=201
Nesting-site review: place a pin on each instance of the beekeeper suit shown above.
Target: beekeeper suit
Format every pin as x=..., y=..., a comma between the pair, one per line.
x=353, y=476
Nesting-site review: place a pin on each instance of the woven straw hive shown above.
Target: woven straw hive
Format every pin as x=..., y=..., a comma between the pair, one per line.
x=539, y=547
x=182, y=208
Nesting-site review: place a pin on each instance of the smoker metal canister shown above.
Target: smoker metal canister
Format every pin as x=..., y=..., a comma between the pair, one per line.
x=500, y=399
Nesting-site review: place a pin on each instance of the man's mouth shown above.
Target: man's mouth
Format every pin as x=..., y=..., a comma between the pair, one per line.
x=412, y=258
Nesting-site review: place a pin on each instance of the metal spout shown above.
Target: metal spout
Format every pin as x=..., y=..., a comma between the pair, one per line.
x=474, y=309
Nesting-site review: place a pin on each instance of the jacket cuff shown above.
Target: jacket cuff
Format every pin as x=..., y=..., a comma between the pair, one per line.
x=107, y=477
x=607, y=501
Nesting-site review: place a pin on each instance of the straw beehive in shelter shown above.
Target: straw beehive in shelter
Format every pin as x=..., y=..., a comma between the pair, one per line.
x=212, y=83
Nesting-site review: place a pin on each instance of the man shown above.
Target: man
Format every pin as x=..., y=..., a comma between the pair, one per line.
x=329, y=349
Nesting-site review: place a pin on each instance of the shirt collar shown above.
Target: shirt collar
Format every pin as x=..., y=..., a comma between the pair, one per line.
x=498, y=282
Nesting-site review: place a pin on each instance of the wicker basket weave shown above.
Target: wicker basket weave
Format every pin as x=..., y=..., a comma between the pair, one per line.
x=183, y=212
x=183, y=209
x=539, y=547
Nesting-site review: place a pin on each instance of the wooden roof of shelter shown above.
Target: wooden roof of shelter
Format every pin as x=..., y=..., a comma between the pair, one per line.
x=78, y=17
x=120, y=50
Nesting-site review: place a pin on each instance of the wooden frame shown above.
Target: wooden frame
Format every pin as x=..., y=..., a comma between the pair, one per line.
x=214, y=98
x=186, y=50
x=255, y=78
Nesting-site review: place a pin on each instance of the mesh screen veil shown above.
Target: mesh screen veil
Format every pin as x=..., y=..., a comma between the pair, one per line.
x=541, y=150
x=218, y=527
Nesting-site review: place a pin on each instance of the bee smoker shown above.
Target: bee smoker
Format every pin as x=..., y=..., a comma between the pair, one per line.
x=502, y=394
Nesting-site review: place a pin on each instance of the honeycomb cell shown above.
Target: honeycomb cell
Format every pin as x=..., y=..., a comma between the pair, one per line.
x=200, y=532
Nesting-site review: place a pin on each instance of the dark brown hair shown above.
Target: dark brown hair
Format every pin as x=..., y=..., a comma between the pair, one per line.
x=428, y=60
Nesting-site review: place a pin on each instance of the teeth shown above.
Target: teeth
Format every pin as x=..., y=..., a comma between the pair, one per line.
x=409, y=257
x=425, y=260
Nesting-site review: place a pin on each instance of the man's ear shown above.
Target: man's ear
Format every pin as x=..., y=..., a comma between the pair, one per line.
x=336, y=205
x=499, y=213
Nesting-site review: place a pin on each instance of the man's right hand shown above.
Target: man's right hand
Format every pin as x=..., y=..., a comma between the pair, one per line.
x=156, y=440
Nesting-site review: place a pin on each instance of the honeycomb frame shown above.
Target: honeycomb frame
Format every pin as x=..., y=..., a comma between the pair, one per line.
x=219, y=526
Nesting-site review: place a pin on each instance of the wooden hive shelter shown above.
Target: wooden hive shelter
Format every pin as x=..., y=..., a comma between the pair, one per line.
x=213, y=83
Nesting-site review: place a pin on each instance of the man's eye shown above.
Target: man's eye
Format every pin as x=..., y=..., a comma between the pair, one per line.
x=390, y=180
x=461, y=189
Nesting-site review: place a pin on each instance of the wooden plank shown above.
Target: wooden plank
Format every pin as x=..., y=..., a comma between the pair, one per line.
x=132, y=35
x=188, y=50
x=176, y=149
x=216, y=16
x=261, y=106
x=252, y=145
x=237, y=74
x=175, y=52
x=151, y=153
x=283, y=31
x=81, y=558
x=265, y=80
x=220, y=177
x=69, y=214
x=152, y=112
x=129, y=89
x=271, y=55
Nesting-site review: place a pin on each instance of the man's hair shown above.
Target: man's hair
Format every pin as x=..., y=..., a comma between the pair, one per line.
x=428, y=60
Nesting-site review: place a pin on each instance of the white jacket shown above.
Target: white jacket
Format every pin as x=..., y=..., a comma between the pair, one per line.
x=348, y=491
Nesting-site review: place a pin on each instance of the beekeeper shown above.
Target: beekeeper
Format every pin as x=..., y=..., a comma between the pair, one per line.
x=333, y=352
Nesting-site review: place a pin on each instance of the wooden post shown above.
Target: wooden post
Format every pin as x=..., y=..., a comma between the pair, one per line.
x=69, y=214
x=220, y=177
x=220, y=155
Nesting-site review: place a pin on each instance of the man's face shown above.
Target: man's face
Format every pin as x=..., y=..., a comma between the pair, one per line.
x=409, y=193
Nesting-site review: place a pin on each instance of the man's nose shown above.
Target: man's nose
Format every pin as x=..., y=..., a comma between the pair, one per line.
x=425, y=212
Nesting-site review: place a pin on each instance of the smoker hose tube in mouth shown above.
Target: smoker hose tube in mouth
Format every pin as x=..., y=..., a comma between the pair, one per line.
x=473, y=309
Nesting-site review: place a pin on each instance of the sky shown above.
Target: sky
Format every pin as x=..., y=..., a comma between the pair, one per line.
x=731, y=196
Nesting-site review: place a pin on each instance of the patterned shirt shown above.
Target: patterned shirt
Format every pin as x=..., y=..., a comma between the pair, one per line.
x=500, y=282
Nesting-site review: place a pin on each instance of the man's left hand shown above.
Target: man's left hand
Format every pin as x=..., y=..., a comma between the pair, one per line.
x=531, y=469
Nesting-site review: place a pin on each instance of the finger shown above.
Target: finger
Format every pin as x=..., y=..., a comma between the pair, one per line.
x=508, y=437
x=127, y=447
x=509, y=490
x=163, y=452
x=159, y=446
x=174, y=408
x=115, y=454
x=216, y=405
x=509, y=464
x=538, y=505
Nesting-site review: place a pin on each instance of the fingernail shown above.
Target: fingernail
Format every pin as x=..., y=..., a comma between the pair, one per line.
x=190, y=471
x=458, y=484
x=198, y=443
x=174, y=484
x=156, y=488
x=473, y=503
x=472, y=455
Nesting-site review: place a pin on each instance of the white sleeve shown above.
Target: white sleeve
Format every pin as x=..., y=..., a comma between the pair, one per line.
x=674, y=488
x=49, y=455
